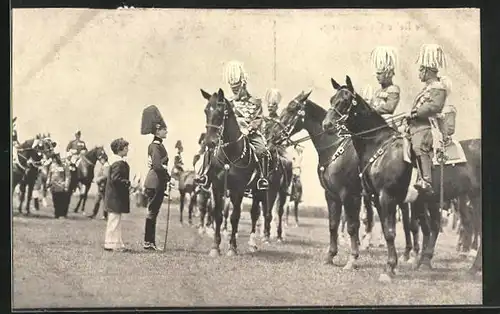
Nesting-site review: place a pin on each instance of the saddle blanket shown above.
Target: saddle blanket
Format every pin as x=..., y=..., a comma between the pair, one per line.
x=453, y=151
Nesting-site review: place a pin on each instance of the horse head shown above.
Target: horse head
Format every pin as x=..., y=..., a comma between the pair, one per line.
x=293, y=115
x=96, y=154
x=348, y=110
x=218, y=112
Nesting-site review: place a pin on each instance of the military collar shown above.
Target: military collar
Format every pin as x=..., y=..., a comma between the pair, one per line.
x=157, y=140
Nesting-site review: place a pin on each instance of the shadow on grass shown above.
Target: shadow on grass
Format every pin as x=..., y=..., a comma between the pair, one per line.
x=277, y=256
x=303, y=242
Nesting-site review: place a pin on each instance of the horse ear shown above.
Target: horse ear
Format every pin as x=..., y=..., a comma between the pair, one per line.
x=335, y=85
x=220, y=94
x=349, y=83
x=205, y=94
x=306, y=94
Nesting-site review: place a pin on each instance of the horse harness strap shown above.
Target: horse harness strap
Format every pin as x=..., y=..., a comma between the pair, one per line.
x=379, y=152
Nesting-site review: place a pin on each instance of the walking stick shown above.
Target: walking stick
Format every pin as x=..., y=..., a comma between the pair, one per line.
x=169, y=189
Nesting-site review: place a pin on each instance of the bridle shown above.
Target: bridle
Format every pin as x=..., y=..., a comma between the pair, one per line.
x=220, y=128
x=340, y=122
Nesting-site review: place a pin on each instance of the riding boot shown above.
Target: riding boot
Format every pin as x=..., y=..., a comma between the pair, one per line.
x=263, y=182
x=424, y=182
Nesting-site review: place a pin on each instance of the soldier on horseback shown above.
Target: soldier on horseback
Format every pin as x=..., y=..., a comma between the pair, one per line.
x=75, y=149
x=15, y=141
x=178, y=162
x=427, y=106
x=386, y=99
x=249, y=114
x=273, y=98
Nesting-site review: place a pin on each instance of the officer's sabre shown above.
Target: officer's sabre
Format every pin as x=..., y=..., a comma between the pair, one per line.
x=169, y=189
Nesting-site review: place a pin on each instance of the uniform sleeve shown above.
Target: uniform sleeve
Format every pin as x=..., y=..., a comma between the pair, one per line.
x=433, y=105
x=84, y=146
x=258, y=116
x=391, y=102
x=69, y=146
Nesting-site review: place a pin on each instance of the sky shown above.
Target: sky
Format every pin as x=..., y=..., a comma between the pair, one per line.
x=96, y=70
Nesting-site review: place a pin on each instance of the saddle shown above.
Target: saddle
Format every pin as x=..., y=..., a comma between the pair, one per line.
x=453, y=151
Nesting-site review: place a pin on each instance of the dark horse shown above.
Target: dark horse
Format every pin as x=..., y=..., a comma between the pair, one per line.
x=233, y=167
x=30, y=156
x=386, y=175
x=338, y=167
x=186, y=185
x=83, y=175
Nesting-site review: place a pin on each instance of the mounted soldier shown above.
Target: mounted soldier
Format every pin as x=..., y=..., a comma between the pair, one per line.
x=249, y=115
x=273, y=98
x=386, y=99
x=15, y=141
x=75, y=149
x=427, y=109
x=178, y=162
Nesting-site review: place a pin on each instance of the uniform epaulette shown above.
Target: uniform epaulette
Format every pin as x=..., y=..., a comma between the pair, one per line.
x=393, y=89
x=437, y=85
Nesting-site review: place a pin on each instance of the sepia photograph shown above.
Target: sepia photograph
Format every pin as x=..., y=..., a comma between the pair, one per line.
x=245, y=157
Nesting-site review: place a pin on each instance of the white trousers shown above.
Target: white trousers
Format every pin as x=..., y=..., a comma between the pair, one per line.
x=113, y=238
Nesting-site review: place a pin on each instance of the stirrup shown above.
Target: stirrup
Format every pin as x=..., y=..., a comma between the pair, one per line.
x=262, y=184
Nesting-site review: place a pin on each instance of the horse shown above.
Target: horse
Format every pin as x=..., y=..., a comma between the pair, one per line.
x=234, y=168
x=186, y=185
x=385, y=173
x=295, y=197
x=30, y=156
x=82, y=176
x=337, y=172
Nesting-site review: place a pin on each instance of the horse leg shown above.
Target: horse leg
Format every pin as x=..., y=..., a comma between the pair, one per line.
x=281, y=210
x=466, y=225
x=190, y=210
x=29, y=196
x=79, y=188
x=414, y=227
x=22, y=194
x=236, y=199
x=334, y=211
x=435, y=222
x=255, y=215
x=182, y=195
x=407, y=229
x=368, y=222
x=387, y=213
x=418, y=208
x=476, y=208
x=478, y=261
x=218, y=207
x=267, y=209
x=227, y=203
x=84, y=197
x=352, y=206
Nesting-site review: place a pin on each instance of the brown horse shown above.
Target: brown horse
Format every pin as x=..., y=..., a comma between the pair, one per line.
x=30, y=156
x=338, y=168
x=233, y=167
x=186, y=185
x=83, y=175
x=386, y=175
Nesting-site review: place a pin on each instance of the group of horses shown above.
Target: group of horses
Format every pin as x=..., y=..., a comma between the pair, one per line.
x=360, y=159
x=30, y=171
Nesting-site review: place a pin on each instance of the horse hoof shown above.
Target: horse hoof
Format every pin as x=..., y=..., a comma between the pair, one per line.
x=280, y=240
x=266, y=240
x=472, y=253
x=411, y=260
x=426, y=266
x=231, y=252
x=384, y=278
x=201, y=231
x=214, y=253
x=253, y=248
x=403, y=258
x=349, y=266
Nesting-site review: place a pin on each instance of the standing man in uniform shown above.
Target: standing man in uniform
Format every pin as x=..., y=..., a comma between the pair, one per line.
x=158, y=177
x=427, y=105
x=386, y=99
x=249, y=115
x=74, y=149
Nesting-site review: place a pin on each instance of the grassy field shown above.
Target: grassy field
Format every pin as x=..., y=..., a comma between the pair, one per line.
x=61, y=263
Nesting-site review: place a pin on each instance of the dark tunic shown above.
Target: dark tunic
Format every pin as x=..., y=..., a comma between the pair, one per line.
x=116, y=194
x=157, y=176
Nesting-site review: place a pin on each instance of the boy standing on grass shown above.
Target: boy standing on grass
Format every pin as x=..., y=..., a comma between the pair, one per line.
x=116, y=195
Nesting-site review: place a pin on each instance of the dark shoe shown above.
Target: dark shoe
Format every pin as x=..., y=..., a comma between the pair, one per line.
x=423, y=184
x=151, y=247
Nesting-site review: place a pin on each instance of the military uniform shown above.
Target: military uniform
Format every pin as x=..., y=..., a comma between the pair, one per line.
x=428, y=104
x=74, y=149
x=385, y=100
x=157, y=177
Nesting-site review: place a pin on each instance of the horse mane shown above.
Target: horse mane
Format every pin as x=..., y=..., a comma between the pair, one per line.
x=28, y=143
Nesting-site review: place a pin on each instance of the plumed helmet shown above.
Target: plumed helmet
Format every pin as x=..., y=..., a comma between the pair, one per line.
x=151, y=120
x=384, y=59
x=234, y=73
x=273, y=96
x=431, y=56
x=78, y=132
